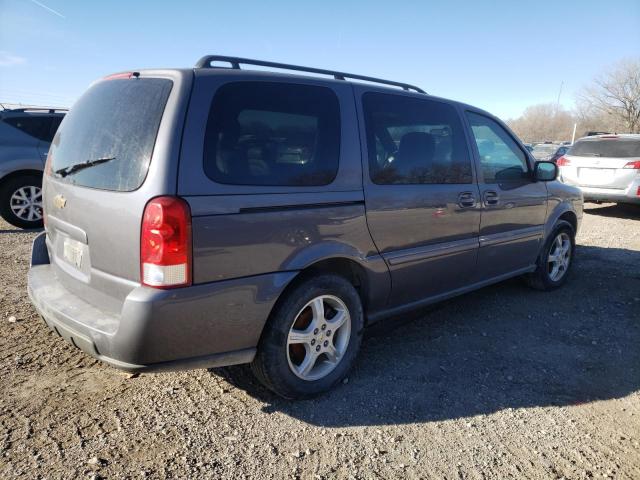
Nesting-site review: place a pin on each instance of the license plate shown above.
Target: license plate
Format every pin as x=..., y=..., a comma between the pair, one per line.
x=596, y=176
x=73, y=252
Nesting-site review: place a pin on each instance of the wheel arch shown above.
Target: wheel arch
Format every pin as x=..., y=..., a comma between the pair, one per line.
x=370, y=276
x=341, y=266
x=19, y=173
x=570, y=217
x=562, y=211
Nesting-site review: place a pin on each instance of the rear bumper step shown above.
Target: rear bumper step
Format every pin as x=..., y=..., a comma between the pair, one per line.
x=206, y=361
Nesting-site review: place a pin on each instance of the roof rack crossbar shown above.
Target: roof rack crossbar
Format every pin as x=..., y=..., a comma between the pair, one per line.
x=207, y=60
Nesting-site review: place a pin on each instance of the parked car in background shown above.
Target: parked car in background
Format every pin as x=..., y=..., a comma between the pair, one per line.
x=25, y=137
x=605, y=167
x=548, y=152
x=559, y=153
x=223, y=216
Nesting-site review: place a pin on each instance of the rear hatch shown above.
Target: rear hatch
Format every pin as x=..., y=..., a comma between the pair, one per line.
x=604, y=162
x=115, y=150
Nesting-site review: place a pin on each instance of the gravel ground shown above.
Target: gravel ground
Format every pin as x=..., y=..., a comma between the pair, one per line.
x=505, y=382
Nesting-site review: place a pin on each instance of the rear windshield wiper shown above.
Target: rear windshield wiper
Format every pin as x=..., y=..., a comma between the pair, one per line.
x=63, y=172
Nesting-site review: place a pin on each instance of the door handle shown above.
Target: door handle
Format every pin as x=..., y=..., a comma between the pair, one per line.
x=466, y=200
x=491, y=197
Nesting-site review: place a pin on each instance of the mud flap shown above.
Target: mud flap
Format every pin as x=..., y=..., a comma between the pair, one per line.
x=39, y=253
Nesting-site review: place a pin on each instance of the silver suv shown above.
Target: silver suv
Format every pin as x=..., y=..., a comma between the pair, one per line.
x=213, y=216
x=605, y=167
x=25, y=136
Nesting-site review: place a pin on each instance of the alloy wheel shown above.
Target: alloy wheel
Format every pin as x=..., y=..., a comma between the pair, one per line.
x=559, y=257
x=318, y=338
x=26, y=203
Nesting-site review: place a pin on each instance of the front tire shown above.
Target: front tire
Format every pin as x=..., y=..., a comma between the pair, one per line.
x=312, y=338
x=21, y=201
x=555, y=259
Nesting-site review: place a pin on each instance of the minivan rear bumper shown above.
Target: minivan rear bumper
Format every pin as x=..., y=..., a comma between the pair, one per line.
x=201, y=326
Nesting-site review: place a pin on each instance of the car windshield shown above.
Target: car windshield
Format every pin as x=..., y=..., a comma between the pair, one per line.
x=616, y=147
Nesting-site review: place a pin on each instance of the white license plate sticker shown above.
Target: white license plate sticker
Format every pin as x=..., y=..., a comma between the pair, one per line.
x=596, y=176
x=73, y=252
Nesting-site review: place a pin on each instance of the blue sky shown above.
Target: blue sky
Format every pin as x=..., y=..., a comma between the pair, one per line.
x=500, y=55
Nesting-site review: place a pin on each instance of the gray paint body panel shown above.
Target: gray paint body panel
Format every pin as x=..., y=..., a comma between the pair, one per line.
x=250, y=242
x=423, y=223
x=158, y=326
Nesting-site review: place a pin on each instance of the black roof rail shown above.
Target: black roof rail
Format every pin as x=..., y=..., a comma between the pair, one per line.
x=37, y=109
x=207, y=60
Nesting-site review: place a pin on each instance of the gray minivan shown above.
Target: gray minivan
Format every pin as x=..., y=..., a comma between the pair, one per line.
x=218, y=215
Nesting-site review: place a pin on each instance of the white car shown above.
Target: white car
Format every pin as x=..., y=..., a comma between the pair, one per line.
x=605, y=167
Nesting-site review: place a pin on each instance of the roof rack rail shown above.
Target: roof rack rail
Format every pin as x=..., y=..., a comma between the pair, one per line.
x=38, y=109
x=207, y=60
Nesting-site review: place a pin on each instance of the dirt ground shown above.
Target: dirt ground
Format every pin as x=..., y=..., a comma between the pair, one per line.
x=502, y=383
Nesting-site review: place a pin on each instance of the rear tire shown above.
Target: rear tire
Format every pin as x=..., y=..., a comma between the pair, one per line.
x=21, y=201
x=311, y=339
x=555, y=259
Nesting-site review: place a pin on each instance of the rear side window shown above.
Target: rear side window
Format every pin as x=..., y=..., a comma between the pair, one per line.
x=107, y=138
x=36, y=126
x=273, y=134
x=414, y=141
x=606, y=147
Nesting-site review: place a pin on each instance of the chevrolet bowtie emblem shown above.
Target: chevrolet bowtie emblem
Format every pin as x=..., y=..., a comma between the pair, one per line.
x=59, y=201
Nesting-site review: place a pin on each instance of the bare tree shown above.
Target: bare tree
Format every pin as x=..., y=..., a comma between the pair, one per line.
x=616, y=96
x=591, y=119
x=543, y=122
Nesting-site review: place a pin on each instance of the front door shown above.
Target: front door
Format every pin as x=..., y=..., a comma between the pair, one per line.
x=421, y=198
x=514, y=206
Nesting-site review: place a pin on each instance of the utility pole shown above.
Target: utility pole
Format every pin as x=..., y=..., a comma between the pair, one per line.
x=559, y=93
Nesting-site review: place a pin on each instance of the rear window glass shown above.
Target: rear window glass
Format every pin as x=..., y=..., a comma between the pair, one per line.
x=614, y=148
x=273, y=135
x=107, y=138
x=36, y=126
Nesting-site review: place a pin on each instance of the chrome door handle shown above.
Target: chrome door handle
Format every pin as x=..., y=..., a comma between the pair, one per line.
x=491, y=198
x=466, y=200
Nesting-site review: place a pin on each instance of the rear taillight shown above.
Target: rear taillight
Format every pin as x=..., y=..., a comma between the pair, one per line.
x=47, y=164
x=47, y=171
x=165, y=243
x=563, y=161
x=634, y=165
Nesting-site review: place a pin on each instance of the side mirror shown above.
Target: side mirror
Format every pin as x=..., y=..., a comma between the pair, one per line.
x=545, y=171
